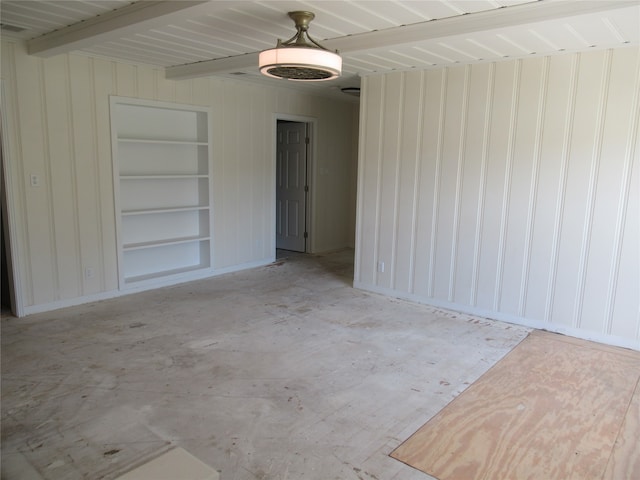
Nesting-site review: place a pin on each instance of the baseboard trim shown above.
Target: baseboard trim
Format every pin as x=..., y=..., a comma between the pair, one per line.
x=516, y=320
x=159, y=283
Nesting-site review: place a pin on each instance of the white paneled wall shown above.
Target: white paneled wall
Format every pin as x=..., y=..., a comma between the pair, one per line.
x=58, y=129
x=507, y=189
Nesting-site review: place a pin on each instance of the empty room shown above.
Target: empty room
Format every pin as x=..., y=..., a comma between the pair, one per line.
x=276, y=240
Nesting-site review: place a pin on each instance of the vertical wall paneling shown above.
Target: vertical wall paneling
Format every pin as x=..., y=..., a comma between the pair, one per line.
x=401, y=125
x=58, y=118
x=544, y=196
x=501, y=114
x=94, y=259
x=378, y=177
x=83, y=167
x=523, y=203
x=388, y=185
x=625, y=254
x=524, y=178
x=562, y=187
x=102, y=85
x=482, y=188
x=360, y=238
x=370, y=171
x=460, y=160
x=444, y=246
x=427, y=180
x=14, y=190
x=588, y=265
x=165, y=90
x=62, y=176
x=415, y=191
x=533, y=185
x=126, y=80
x=49, y=184
x=183, y=91
x=353, y=176
x=73, y=172
x=146, y=84
x=469, y=182
x=506, y=188
x=576, y=206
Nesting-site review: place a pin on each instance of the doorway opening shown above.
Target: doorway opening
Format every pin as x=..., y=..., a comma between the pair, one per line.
x=293, y=151
x=7, y=295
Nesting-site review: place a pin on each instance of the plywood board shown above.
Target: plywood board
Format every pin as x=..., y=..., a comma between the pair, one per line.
x=554, y=407
x=625, y=459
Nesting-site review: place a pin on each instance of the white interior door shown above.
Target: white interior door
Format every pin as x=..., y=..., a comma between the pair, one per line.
x=291, y=186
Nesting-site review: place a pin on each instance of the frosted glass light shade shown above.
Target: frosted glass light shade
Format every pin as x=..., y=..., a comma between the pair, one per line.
x=300, y=63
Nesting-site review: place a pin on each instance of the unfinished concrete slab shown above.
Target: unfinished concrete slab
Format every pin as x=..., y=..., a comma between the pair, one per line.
x=280, y=372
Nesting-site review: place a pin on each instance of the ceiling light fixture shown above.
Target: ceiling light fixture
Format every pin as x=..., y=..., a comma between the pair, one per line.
x=299, y=59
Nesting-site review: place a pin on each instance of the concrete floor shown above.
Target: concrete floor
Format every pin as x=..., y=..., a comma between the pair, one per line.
x=280, y=372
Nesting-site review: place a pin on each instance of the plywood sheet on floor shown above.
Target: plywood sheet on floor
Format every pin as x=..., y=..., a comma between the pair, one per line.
x=554, y=407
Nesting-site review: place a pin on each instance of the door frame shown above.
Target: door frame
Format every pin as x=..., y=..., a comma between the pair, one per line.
x=311, y=123
x=7, y=199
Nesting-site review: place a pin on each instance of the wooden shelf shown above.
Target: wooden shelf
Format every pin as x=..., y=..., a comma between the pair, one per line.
x=163, y=188
x=166, y=273
x=161, y=141
x=161, y=176
x=161, y=243
x=151, y=211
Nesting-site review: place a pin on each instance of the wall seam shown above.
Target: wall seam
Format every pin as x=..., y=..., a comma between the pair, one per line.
x=623, y=202
x=80, y=284
x=47, y=159
x=156, y=75
x=97, y=189
x=437, y=181
x=543, y=94
x=562, y=187
x=592, y=190
x=462, y=151
x=376, y=238
x=135, y=82
x=504, y=215
x=396, y=187
x=416, y=181
x=477, y=248
x=114, y=78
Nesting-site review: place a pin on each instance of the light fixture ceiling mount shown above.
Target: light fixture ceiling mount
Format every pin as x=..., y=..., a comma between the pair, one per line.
x=300, y=58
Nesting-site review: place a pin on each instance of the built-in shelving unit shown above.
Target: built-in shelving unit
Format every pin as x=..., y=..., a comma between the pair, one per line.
x=161, y=157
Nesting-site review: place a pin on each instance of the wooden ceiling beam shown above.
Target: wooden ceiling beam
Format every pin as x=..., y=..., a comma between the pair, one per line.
x=139, y=15
x=533, y=12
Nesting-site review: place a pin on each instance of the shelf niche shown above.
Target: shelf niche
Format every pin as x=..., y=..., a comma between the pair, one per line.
x=162, y=165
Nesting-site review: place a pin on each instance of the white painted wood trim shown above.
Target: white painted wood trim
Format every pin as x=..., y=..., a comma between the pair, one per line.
x=109, y=26
x=462, y=24
x=533, y=186
x=416, y=184
x=486, y=137
x=442, y=28
x=444, y=82
x=144, y=286
x=492, y=315
x=13, y=246
x=506, y=189
x=312, y=124
x=115, y=100
x=630, y=154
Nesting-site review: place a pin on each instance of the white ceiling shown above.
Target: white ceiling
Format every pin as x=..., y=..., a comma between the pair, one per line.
x=199, y=38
